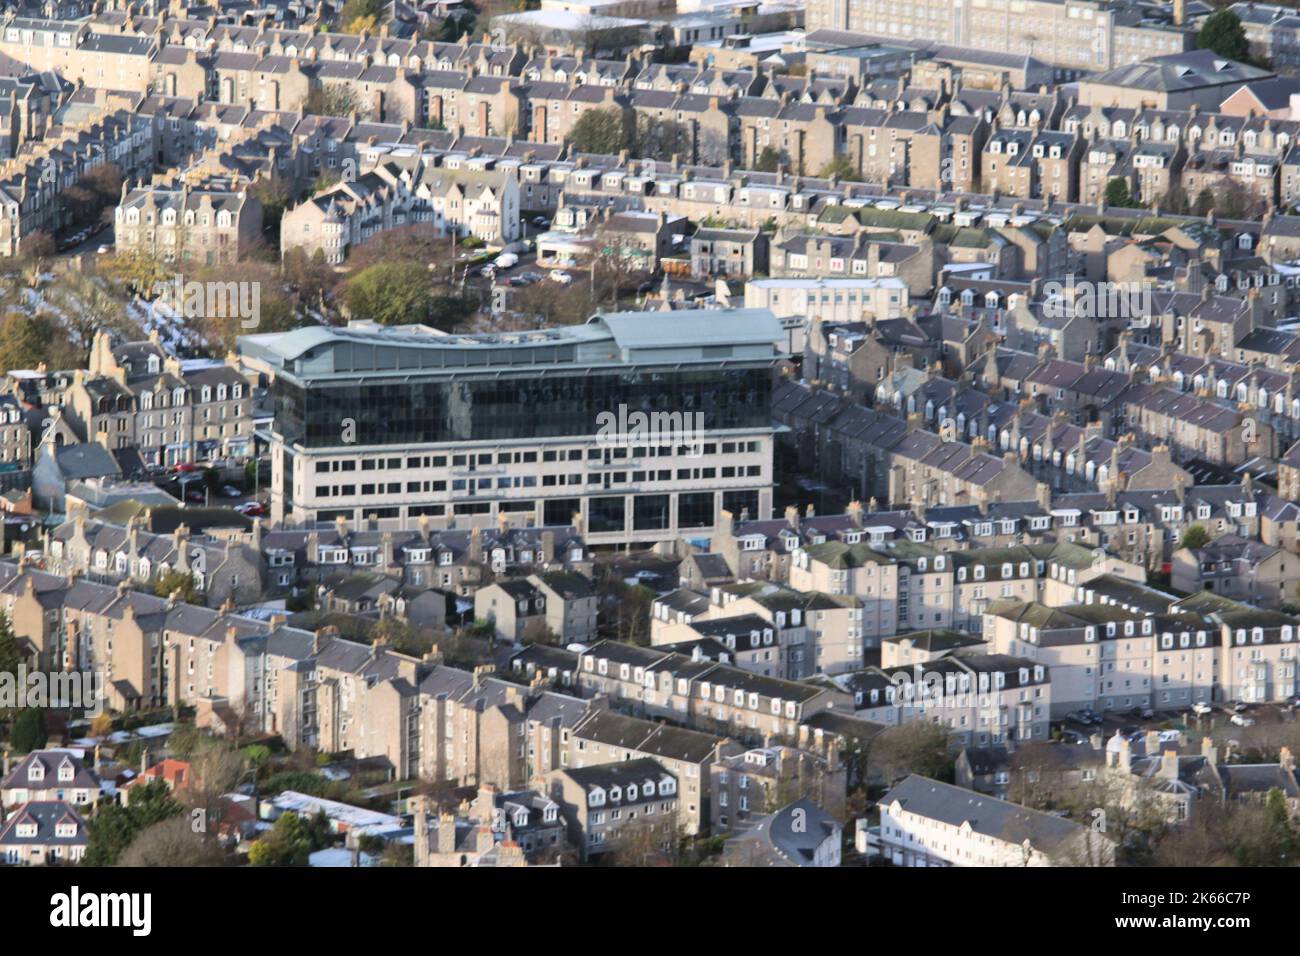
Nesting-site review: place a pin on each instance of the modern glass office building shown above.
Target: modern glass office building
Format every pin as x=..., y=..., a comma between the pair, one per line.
x=647, y=424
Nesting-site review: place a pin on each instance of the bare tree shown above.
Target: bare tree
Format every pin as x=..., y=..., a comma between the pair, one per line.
x=173, y=842
x=914, y=747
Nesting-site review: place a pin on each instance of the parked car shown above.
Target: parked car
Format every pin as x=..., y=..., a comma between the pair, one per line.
x=196, y=496
x=1201, y=708
x=1237, y=706
x=506, y=260
x=230, y=491
x=1073, y=737
x=1241, y=720
x=541, y=222
x=1146, y=713
x=563, y=278
x=251, y=508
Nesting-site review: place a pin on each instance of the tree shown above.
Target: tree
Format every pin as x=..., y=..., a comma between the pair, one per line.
x=115, y=827
x=454, y=27
x=275, y=193
x=1223, y=33
x=1117, y=193
x=767, y=161
x=25, y=341
x=105, y=181
x=85, y=201
x=39, y=246
x=1175, y=201
x=661, y=140
x=139, y=271
x=1204, y=203
x=1228, y=833
x=391, y=293
x=183, y=740
x=291, y=841
x=1280, y=834
x=399, y=635
x=1195, y=537
x=1232, y=200
x=216, y=767
x=177, y=580
x=358, y=15
x=10, y=654
x=335, y=100
x=603, y=131
x=841, y=168
x=646, y=842
x=101, y=726
x=914, y=747
x=84, y=304
x=172, y=842
x=29, y=731
x=259, y=301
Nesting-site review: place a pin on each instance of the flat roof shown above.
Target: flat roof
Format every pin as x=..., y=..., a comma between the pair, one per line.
x=370, y=350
